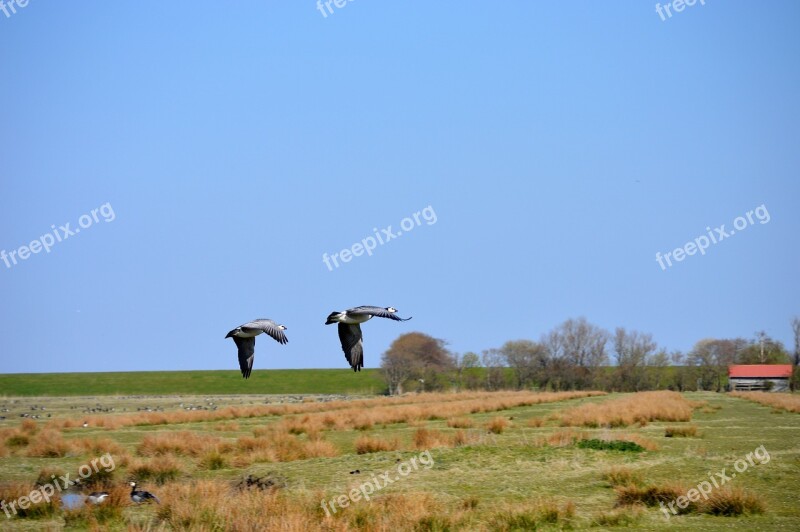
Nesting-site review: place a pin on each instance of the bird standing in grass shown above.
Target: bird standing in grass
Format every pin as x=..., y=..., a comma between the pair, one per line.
x=350, y=329
x=140, y=496
x=245, y=338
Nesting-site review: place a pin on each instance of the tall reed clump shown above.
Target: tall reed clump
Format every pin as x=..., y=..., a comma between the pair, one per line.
x=161, y=469
x=640, y=407
x=49, y=444
x=10, y=493
x=783, y=401
x=368, y=444
x=534, y=516
x=497, y=425
x=688, y=431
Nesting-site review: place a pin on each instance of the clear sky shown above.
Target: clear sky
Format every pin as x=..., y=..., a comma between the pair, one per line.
x=561, y=145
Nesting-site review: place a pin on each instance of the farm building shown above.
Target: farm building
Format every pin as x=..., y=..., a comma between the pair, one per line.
x=763, y=377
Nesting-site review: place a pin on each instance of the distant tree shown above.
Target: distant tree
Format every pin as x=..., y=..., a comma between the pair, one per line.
x=465, y=374
x=526, y=358
x=576, y=351
x=633, y=351
x=763, y=350
x=796, y=331
x=659, y=362
x=712, y=357
x=493, y=366
x=471, y=364
x=415, y=356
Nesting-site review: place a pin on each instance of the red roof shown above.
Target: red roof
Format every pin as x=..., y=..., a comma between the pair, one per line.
x=761, y=370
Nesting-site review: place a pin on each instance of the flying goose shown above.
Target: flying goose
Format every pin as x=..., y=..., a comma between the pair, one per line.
x=350, y=330
x=245, y=338
x=140, y=496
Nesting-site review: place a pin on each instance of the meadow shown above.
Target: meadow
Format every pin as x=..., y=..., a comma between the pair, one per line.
x=429, y=461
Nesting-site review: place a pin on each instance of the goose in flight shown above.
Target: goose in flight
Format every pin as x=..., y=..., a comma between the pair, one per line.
x=245, y=338
x=350, y=329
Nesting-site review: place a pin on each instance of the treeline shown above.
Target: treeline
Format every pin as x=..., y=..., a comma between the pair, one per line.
x=578, y=355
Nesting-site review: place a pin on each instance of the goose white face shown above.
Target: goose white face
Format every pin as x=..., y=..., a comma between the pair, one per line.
x=392, y=310
x=282, y=327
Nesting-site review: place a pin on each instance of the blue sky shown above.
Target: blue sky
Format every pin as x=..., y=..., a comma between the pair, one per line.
x=560, y=145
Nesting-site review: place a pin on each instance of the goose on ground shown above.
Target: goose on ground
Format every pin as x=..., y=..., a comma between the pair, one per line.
x=350, y=329
x=97, y=497
x=140, y=496
x=245, y=338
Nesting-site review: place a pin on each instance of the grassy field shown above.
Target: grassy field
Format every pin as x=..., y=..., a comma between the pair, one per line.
x=286, y=381
x=476, y=461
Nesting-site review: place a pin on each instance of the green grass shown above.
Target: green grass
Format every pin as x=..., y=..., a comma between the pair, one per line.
x=510, y=468
x=277, y=381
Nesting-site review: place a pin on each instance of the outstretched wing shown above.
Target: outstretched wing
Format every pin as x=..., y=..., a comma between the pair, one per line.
x=269, y=327
x=378, y=312
x=350, y=336
x=247, y=352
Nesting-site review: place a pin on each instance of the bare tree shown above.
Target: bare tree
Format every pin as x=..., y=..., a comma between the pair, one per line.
x=796, y=331
x=526, y=358
x=493, y=365
x=763, y=350
x=577, y=352
x=632, y=351
x=712, y=358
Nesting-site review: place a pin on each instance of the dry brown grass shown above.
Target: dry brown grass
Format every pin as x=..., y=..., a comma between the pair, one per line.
x=49, y=444
x=341, y=414
x=535, y=422
x=732, y=502
x=569, y=436
x=723, y=501
x=641, y=408
x=622, y=476
x=369, y=444
x=653, y=495
x=183, y=443
x=498, y=424
x=460, y=423
x=533, y=516
x=783, y=401
x=11, y=493
x=227, y=426
x=98, y=446
x=213, y=505
x=160, y=469
x=688, y=431
x=29, y=426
